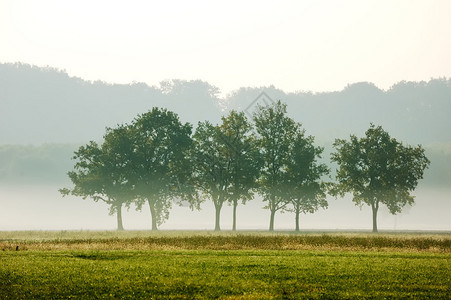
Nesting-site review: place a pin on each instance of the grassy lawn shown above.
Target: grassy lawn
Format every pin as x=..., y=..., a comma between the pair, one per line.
x=235, y=266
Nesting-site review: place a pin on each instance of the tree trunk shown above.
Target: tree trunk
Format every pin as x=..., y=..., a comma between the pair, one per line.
x=235, y=204
x=119, y=217
x=374, y=208
x=271, y=220
x=217, y=217
x=153, y=214
x=297, y=220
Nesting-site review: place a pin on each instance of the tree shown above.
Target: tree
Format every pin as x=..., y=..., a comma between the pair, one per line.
x=240, y=150
x=147, y=161
x=275, y=134
x=302, y=186
x=226, y=162
x=378, y=169
x=102, y=172
x=212, y=168
x=160, y=163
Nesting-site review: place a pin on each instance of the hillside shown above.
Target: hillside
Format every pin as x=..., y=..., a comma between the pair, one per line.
x=46, y=105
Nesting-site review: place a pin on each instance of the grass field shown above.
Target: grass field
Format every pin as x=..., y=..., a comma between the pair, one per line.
x=206, y=265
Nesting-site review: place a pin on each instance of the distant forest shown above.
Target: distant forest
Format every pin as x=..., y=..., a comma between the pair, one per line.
x=45, y=115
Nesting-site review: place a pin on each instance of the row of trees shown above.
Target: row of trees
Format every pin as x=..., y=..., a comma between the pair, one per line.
x=157, y=160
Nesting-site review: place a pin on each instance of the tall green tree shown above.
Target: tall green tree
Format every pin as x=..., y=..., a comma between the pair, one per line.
x=238, y=145
x=102, y=172
x=378, y=169
x=212, y=168
x=303, y=186
x=161, y=164
x=275, y=135
x=226, y=162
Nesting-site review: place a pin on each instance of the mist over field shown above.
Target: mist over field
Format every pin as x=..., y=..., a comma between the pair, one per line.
x=46, y=115
x=42, y=208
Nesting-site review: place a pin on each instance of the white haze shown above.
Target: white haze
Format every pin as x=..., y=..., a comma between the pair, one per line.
x=38, y=207
x=295, y=45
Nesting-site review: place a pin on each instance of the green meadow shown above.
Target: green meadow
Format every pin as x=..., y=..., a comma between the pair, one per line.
x=226, y=265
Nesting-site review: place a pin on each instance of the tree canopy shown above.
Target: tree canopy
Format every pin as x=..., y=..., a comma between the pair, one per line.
x=155, y=161
x=161, y=164
x=212, y=170
x=275, y=134
x=226, y=162
x=378, y=169
x=303, y=186
x=240, y=148
x=102, y=172
x=147, y=161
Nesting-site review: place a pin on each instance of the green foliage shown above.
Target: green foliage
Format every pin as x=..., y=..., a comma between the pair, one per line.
x=226, y=161
x=240, y=148
x=161, y=164
x=154, y=160
x=303, y=186
x=275, y=133
x=291, y=174
x=211, y=168
x=378, y=169
x=145, y=161
x=103, y=172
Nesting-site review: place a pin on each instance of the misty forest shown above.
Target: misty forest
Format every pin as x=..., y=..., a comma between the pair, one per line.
x=183, y=144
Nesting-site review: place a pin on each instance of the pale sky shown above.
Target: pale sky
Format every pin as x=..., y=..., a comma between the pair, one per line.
x=293, y=45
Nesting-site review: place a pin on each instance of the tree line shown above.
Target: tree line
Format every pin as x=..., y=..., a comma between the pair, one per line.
x=157, y=160
x=34, y=99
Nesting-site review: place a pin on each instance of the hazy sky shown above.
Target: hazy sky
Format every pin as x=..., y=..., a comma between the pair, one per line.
x=294, y=45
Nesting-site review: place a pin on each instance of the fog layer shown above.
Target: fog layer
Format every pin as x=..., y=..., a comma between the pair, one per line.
x=45, y=115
